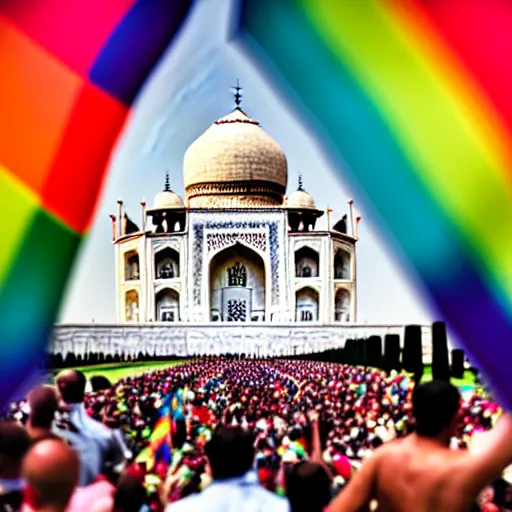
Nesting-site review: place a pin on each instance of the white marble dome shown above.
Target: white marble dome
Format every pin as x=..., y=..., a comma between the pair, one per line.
x=301, y=199
x=167, y=200
x=234, y=164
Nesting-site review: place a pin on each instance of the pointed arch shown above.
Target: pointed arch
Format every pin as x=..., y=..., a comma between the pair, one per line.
x=167, y=264
x=307, y=262
x=131, y=306
x=342, y=306
x=167, y=303
x=306, y=304
x=342, y=265
x=131, y=266
x=237, y=287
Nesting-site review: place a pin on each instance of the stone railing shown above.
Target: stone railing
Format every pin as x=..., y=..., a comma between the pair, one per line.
x=162, y=339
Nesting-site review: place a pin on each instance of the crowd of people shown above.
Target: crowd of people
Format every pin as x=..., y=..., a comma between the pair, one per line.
x=254, y=435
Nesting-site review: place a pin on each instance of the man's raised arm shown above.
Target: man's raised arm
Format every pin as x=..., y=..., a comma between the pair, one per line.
x=360, y=491
x=495, y=456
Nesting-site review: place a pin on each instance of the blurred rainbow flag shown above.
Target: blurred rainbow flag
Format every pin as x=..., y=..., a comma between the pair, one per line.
x=70, y=70
x=160, y=444
x=411, y=100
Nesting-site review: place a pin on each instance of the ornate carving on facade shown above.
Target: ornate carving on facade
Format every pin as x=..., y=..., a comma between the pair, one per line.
x=170, y=241
x=312, y=243
x=274, y=261
x=215, y=241
x=197, y=258
x=237, y=275
x=209, y=339
x=242, y=188
x=232, y=229
x=233, y=201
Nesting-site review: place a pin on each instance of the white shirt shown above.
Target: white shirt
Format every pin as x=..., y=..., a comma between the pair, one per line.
x=243, y=494
x=94, y=442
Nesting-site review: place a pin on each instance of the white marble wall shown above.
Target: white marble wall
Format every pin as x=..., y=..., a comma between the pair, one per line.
x=162, y=339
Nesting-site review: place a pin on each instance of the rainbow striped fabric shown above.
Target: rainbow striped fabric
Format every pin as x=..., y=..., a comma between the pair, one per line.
x=158, y=447
x=70, y=72
x=412, y=101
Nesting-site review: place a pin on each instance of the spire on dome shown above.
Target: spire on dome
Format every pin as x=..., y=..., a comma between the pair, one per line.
x=238, y=96
x=167, y=183
x=300, y=182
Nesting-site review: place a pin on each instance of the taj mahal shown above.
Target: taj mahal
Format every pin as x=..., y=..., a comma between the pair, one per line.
x=236, y=248
x=236, y=264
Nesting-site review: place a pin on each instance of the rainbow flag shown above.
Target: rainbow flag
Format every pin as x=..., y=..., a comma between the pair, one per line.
x=171, y=410
x=158, y=448
x=71, y=70
x=411, y=101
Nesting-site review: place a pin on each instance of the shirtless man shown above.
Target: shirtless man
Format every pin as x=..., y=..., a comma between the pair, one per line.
x=420, y=473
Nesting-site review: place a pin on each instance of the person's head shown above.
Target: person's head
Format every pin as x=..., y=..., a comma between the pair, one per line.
x=43, y=402
x=14, y=444
x=130, y=493
x=308, y=487
x=230, y=452
x=71, y=385
x=51, y=470
x=100, y=383
x=435, y=408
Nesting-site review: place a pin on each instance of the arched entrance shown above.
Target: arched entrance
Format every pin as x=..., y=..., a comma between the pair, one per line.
x=341, y=264
x=167, y=306
x=167, y=264
x=131, y=266
x=306, y=262
x=342, y=306
x=132, y=306
x=306, y=305
x=237, y=285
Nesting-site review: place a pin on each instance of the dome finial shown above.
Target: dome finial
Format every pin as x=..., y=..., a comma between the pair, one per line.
x=167, y=182
x=238, y=96
x=300, y=182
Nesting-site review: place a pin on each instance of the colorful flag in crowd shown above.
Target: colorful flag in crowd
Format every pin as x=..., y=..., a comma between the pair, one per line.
x=161, y=439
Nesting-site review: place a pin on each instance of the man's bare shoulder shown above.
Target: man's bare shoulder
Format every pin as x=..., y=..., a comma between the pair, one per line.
x=410, y=448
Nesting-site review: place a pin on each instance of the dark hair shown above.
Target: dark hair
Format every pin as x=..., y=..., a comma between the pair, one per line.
x=435, y=405
x=14, y=444
x=130, y=494
x=71, y=384
x=308, y=487
x=100, y=383
x=230, y=452
x=43, y=403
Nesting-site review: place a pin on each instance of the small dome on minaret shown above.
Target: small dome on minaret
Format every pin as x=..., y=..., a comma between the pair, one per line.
x=167, y=199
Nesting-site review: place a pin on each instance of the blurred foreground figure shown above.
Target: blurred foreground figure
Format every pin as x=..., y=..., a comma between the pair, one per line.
x=43, y=402
x=421, y=473
x=235, y=485
x=14, y=444
x=97, y=447
x=308, y=487
x=51, y=470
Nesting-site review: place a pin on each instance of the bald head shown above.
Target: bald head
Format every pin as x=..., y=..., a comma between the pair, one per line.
x=43, y=402
x=71, y=386
x=51, y=470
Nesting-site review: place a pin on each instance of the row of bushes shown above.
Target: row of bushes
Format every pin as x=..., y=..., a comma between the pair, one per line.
x=370, y=352
x=56, y=361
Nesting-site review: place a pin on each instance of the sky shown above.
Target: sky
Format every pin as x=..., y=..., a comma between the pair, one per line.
x=187, y=91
